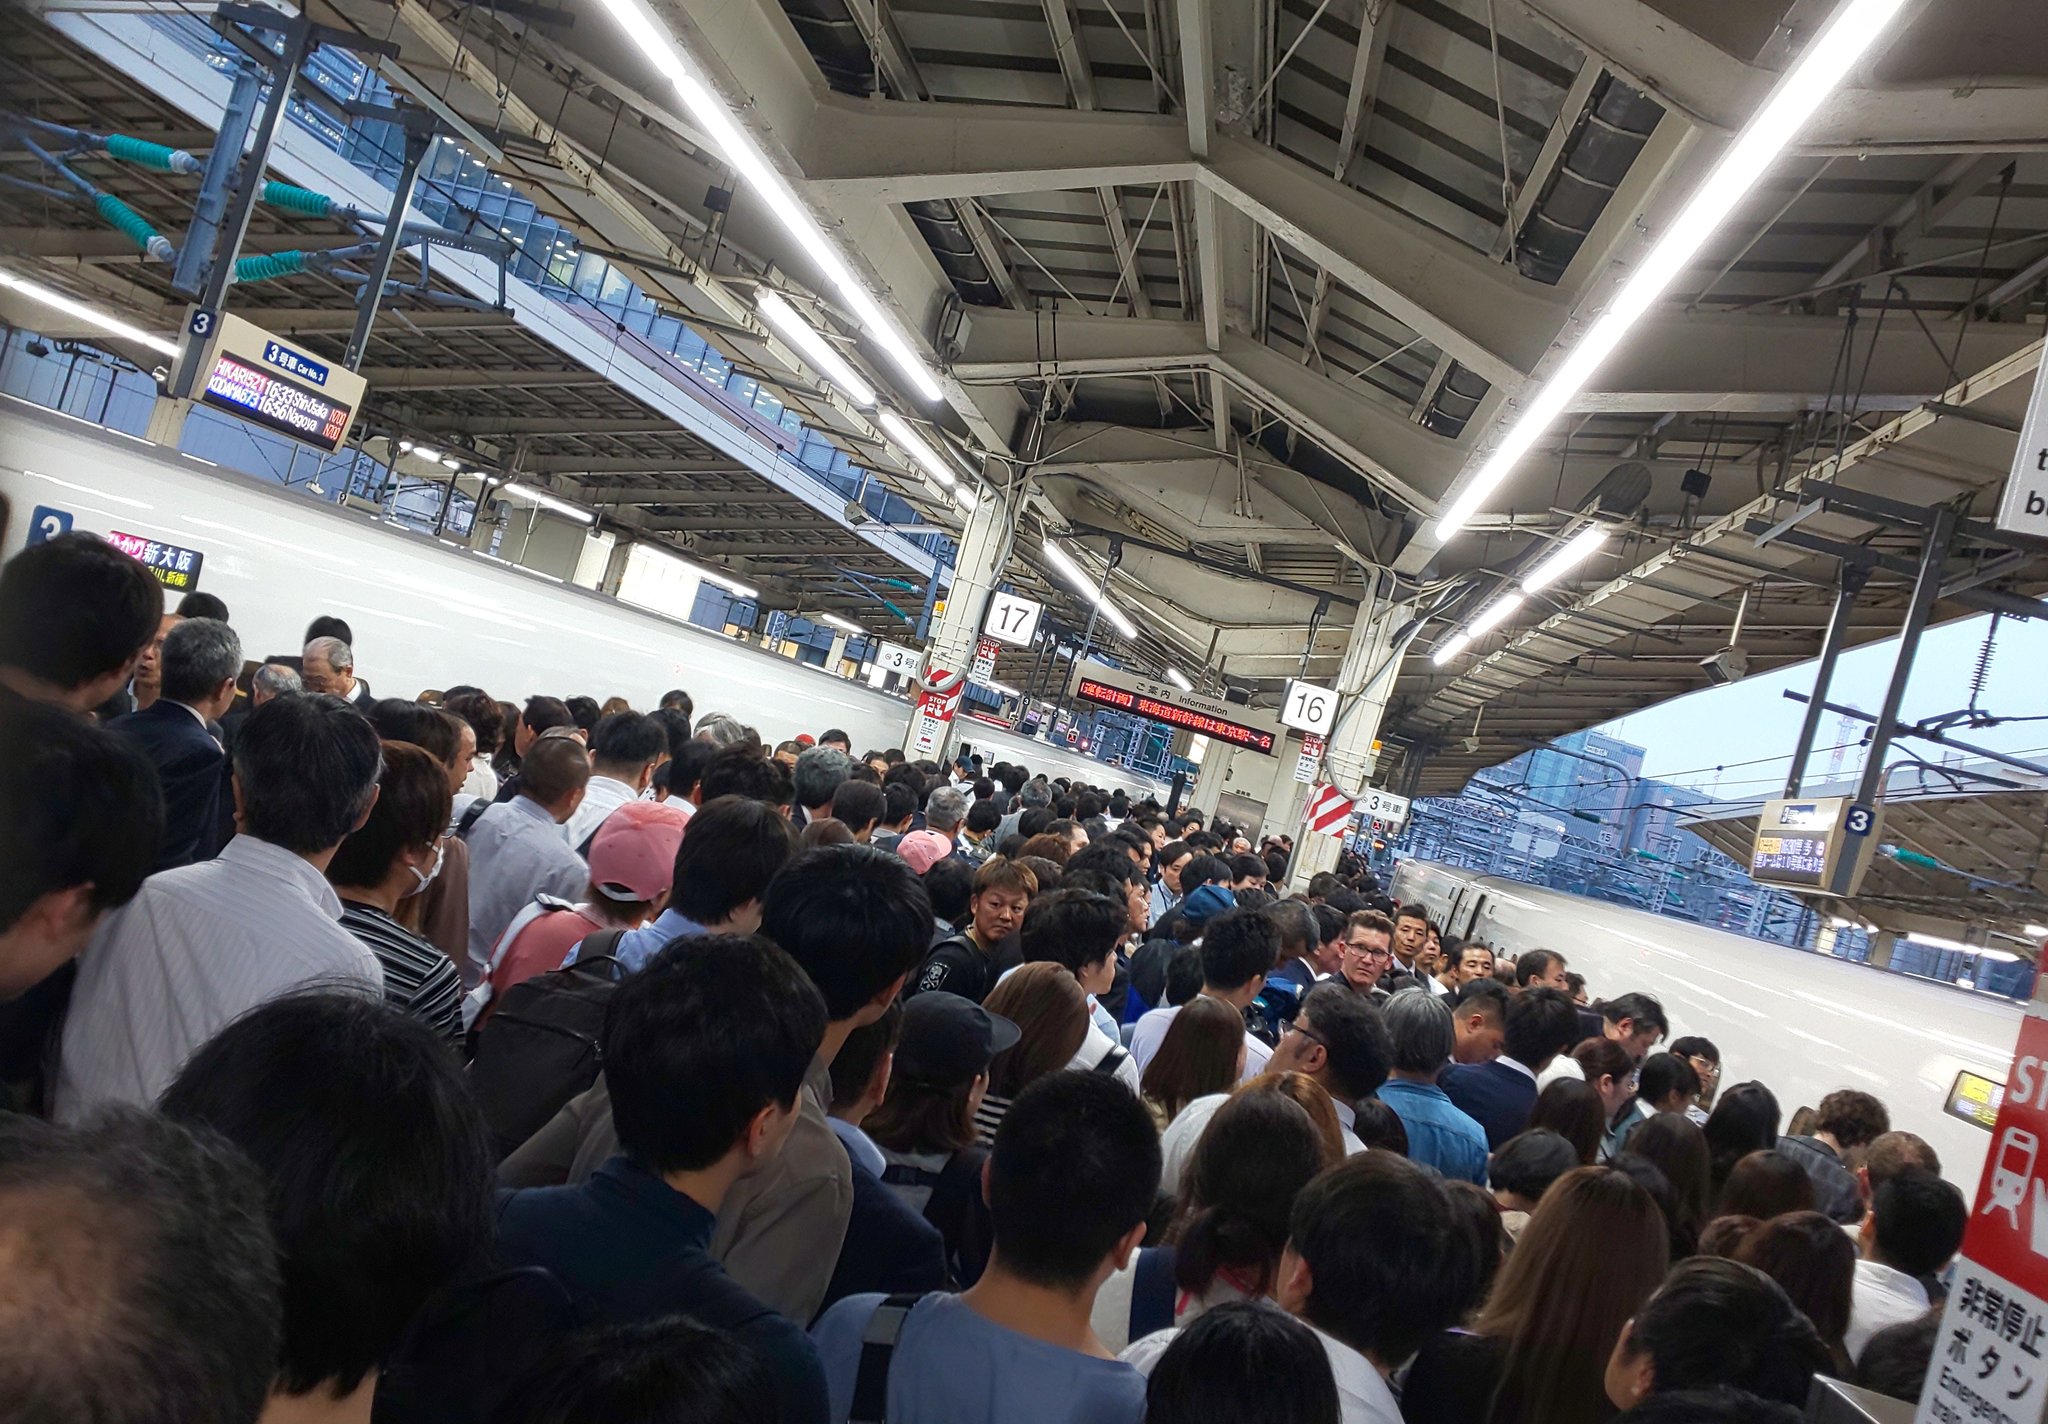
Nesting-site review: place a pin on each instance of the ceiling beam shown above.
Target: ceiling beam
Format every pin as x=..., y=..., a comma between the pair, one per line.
x=1359, y=99
x=1917, y=214
x=1717, y=91
x=513, y=425
x=667, y=462
x=1070, y=50
x=627, y=496
x=429, y=378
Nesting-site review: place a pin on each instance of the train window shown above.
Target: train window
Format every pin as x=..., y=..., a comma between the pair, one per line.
x=1975, y=1098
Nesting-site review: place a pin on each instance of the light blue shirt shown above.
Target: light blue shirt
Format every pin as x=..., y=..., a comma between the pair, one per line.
x=859, y=1146
x=516, y=852
x=636, y=947
x=1439, y=1135
x=952, y=1366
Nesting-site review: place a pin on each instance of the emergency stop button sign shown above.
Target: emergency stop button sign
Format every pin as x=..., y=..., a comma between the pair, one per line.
x=1991, y=1358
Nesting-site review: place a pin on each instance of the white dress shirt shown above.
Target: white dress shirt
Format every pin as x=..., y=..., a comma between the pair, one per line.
x=1562, y=1066
x=1150, y=1032
x=602, y=795
x=1880, y=1296
x=1096, y=1047
x=1363, y=1394
x=1177, y=1145
x=198, y=946
x=516, y=851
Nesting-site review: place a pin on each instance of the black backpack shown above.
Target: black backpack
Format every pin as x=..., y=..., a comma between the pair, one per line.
x=540, y=1048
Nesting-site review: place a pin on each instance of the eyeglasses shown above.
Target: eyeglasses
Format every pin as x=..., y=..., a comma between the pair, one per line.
x=1308, y=1033
x=1705, y=1067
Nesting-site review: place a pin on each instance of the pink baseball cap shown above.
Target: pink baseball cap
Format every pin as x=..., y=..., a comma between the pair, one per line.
x=924, y=849
x=633, y=856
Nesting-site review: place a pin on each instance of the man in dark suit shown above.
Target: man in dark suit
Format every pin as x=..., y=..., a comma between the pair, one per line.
x=329, y=665
x=201, y=657
x=1541, y=1023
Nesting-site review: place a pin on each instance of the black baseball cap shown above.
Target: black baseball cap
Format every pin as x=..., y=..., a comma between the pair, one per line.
x=948, y=1040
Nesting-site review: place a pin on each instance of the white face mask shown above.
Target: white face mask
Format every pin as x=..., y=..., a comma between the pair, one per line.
x=426, y=877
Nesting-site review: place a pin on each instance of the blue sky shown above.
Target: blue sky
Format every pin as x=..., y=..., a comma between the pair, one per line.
x=1748, y=729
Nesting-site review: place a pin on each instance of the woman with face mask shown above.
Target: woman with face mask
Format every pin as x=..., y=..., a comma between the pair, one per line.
x=395, y=855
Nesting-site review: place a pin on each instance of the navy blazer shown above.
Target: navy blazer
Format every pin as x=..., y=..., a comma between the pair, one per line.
x=630, y=1247
x=1496, y=1096
x=190, y=766
x=888, y=1248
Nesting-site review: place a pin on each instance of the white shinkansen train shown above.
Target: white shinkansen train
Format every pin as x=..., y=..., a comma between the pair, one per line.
x=1801, y=1023
x=430, y=614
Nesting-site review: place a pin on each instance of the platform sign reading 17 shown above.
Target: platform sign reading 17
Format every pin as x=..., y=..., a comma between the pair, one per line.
x=1308, y=708
x=1012, y=620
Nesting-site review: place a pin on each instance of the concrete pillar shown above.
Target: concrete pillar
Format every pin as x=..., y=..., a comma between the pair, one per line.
x=836, y=654
x=985, y=543
x=1348, y=761
x=167, y=421
x=1215, y=771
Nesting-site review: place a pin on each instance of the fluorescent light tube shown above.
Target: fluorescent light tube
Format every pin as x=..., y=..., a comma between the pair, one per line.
x=662, y=50
x=1002, y=689
x=1566, y=557
x=965, y=497
x=1804, y=88
x=844, y=624
x=1071, y=572
x=1179, y=680
x=783, y=319
x=1449, y=648
x=544, y=500
x=1494, y=614
x=917, y=448
x=106, y=321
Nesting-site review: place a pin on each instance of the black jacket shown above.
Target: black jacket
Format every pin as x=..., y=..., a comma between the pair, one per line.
x=190, y=765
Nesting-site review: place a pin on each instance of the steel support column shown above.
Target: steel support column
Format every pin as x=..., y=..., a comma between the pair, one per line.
x=417, y=142
x=951, y=634
x=1926, y=588
x=1853, y=578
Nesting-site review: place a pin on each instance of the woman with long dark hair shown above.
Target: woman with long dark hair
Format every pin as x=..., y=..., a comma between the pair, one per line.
x=1594, y=1250
x=1679, y=1150
x=1229, y=1226
x=1744, y=1121
x=1815, y=1261
x=1571, y=1108
x=1202, y=1053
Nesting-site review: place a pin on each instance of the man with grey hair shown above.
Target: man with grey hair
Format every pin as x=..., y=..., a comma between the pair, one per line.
x=329, y=666
x=273, y=680
x=820, y=772
x=945, y=811
x=175, y=734
x=1439, y=1134
x=1034, y=795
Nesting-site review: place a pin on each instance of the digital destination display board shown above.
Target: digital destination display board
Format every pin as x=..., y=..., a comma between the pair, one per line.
x=1237, y=734
x=237, y=386
x=174, y=567
x=1975, y=1098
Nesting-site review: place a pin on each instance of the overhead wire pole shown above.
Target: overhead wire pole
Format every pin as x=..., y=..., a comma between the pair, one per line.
x=1926, y=589
x=1854, y=576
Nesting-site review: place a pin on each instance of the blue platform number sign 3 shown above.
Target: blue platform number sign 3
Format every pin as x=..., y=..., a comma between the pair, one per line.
x=48, y=523
x=1859, y=820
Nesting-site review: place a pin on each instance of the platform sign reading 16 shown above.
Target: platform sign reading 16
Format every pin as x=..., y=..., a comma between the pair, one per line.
x=1308, y=708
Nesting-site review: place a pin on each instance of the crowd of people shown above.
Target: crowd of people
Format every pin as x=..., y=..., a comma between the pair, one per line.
x=452, y=1059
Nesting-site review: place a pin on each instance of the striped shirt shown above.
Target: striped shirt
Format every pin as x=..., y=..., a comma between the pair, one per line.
x=418, y=977
x=197, y=947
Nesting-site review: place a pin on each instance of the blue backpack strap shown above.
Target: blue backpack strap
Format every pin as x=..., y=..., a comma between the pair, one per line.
x=1152, y=1292
x=877, y=1349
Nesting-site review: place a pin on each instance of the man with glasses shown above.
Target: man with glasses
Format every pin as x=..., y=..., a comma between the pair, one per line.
x=1706, y=1061
x=1368, y=952
x=1340, y=1040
